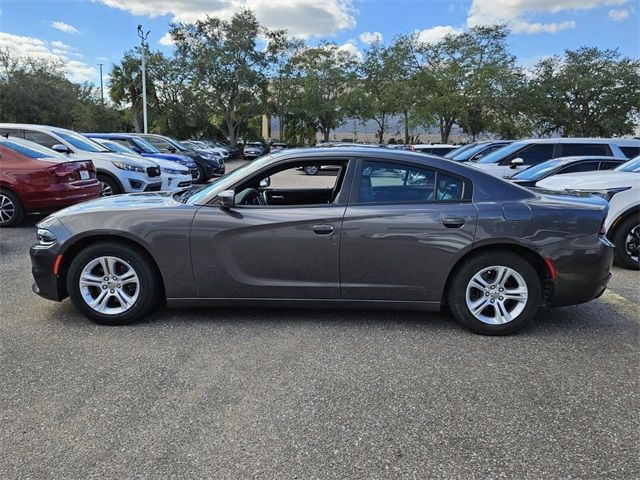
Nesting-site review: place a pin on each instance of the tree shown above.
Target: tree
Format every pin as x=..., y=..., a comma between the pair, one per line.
x=467, y=73
x=230, y=61
x=323, y=78
x=588, y=92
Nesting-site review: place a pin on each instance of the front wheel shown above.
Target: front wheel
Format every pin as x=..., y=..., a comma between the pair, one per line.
x=311, y=169
x=113, y=283
x=109, y=186
x=495, y=293
x=627, y=243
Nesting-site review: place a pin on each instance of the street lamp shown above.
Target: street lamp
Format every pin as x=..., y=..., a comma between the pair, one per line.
x=143, y=45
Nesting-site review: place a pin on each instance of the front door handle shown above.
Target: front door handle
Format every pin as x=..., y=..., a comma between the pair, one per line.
x=323, y=229
x=453, y=222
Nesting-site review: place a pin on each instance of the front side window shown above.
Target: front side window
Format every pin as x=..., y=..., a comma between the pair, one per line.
x=397, y=183
x=40, y=138
x=630, y=152
x=533, y=154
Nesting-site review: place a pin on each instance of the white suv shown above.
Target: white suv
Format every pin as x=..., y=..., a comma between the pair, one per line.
x=621, y=187
x=517, y=156
x=117, y=173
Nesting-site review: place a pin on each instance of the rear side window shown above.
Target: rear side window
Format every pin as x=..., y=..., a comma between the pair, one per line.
x=576, y=149
x=630, y=152
x=580, y=167
x=11, y=132
x=398, y=183
x=609, y=165
x=40, y=138
x=534, y=154
x=34, y=151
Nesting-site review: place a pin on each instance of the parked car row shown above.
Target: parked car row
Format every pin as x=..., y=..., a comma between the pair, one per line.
x=117, y=163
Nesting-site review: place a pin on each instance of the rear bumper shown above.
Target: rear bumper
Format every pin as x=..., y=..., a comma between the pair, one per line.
x=56, y=197
x=583, y=267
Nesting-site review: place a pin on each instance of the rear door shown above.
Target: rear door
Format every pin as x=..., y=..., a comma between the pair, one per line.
x=404, y=226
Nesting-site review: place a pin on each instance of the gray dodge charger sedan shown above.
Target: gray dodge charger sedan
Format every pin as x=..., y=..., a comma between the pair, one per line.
x=383, y=229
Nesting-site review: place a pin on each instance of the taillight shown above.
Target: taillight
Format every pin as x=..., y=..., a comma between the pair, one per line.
x=66, y=172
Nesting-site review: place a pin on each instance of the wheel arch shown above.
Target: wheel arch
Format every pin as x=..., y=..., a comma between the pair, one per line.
x=634, y=210
x=80, y=244
x=113, y=177
x=528, y=254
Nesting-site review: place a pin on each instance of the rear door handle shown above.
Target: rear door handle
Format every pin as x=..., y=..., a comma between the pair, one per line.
x=453, y=222
x=323, y=229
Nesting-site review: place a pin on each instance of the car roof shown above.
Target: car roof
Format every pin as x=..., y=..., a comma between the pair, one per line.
x=581, y=158
x=35, y=127
x=434, y=145
x=616, y=141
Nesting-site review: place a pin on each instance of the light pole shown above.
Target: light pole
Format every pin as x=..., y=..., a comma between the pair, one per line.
x=101, y=89
x=143, y=45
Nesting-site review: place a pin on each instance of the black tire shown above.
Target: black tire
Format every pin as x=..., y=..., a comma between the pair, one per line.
x=311, y=169
x=109, y=185
x=622, y=256
x=149, y=282
x=11, y=209
x=202, y=176
x=475, y=264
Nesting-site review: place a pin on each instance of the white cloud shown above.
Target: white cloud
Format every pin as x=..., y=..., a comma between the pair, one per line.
x=34, y=47
x=518, y=12
x=370, y=37
x=351, y=47
x=435, y=34
x=618, y=15
x=302, y=18
x=64, y=27
x=166, y=40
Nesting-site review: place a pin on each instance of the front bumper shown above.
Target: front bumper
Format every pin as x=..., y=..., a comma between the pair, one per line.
x=47, y=284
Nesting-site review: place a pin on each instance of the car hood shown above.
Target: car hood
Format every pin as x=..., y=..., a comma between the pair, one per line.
x=169, y=156
x=120, y=203
x=116, y=157
x=590, y=181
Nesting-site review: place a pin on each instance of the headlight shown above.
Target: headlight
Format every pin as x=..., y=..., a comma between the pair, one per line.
x=210, y=156
x=128, y=167
x=45, y=237
x=173, y=171
x=606, y=194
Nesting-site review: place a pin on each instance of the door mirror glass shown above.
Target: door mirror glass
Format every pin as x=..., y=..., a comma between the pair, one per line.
x=516, y=162
x=136, y=149
x=227, y=199
x=58, y=147
x=171, y=149
x=265, y=182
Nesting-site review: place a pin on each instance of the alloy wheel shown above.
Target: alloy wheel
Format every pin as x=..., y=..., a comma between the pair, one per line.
x=107, y=191
x=632, y=244
x=496, y=295
x=7, y=209
x=109, y=285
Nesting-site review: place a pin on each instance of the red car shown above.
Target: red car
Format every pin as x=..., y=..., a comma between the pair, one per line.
x=37, y=179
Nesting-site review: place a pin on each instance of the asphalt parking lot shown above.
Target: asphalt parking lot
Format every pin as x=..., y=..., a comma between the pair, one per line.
x=248, y=393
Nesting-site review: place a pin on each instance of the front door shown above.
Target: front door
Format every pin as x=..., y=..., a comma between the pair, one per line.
x=280, y=241
x=402, y=232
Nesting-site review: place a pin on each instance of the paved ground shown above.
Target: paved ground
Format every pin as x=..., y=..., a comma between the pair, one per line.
x=314, y=394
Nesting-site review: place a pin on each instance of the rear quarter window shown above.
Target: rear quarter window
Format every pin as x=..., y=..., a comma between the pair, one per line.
x=578, y=149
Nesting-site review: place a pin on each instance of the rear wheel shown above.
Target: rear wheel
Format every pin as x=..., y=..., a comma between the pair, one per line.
x=311, y=169
x=627, y=243
x=495, y=293
x=109, y=186
x=11, y=209
x=113, y=283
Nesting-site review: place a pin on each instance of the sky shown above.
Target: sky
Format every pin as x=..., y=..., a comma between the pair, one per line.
x=85, y=33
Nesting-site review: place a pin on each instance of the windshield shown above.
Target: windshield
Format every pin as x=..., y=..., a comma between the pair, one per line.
x=632, y=165
x=117, y=147
x=31, y=150
x=495, y=157
x=538, y=171
x=145, y=146
x=177, y=144
x=458, y=150
x=226, y=181
x=80, y=142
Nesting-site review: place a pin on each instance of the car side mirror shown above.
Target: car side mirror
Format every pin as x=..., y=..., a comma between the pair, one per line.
x=171, y=149
x=137, y=149
x=227, y=199
x=58, y=147
x=516, y=162
x=265, y=182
